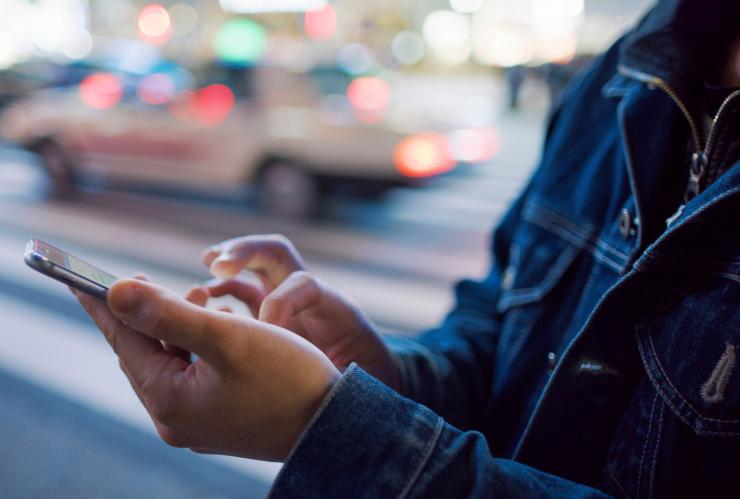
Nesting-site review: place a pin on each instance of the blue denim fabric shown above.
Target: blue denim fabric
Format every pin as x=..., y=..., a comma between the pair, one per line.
x=593, y=358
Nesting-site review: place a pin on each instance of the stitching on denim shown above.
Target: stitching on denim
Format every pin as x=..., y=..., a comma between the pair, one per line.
x=647, y=441
x=523, y=295
x=713, y=391
x=630, y=164
x=575, y=240
x=426, y=454
x=578, y=240
x=732, y=277
x=647, y=325
x=562, y=261
x=316, y=415
x=588, y=234
x=535, y=209
x=674, y=409
x=661, y=413
x=668, y=380
x=619, y=485
x=650, y=251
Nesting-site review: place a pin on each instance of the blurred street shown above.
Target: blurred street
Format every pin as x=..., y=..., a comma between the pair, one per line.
x=66, y=406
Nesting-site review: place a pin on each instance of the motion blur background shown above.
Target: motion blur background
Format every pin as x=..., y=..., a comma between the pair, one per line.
x=385, y=138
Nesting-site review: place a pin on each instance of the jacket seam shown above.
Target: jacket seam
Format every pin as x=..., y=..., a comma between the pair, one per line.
x=426, y=455
x=614, y=478
x=665, y=375
x=587, y=234
x=661, y=413
x=670, y=404
x=574, y=239
x=647, y=441
x=316, y=415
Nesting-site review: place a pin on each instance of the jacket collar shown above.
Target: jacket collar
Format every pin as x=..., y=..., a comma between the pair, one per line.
x=681, y=42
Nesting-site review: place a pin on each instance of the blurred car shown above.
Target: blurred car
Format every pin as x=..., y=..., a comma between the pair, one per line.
x=267, y=126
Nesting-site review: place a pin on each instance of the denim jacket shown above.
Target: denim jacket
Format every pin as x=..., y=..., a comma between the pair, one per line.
x=598, y=355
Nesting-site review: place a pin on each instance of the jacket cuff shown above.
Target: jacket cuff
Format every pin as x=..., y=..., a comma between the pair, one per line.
x=365, y=438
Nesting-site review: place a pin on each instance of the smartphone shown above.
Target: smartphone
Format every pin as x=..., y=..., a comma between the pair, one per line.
x=70, y=270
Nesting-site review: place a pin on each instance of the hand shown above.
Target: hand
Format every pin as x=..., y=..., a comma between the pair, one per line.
x=250, y=393
x=292, y=298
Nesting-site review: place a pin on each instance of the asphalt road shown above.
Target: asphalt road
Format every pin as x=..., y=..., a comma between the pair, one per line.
x=69, y=424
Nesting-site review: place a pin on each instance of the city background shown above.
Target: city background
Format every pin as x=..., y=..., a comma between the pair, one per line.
x=385, y=138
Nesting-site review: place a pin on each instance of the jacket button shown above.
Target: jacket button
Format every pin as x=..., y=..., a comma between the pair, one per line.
x=626, y=226
x=552, y=361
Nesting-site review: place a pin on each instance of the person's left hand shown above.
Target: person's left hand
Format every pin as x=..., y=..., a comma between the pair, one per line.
x=251, y=391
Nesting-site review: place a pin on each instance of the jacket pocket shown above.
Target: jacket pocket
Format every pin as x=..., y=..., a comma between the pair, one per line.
x=538, y=260
x=689, y=351
x=679, y=435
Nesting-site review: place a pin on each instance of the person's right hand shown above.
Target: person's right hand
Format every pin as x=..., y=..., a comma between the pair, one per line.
x=293, y=298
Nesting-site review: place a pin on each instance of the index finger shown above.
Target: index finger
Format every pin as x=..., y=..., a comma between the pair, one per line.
x=272, y=257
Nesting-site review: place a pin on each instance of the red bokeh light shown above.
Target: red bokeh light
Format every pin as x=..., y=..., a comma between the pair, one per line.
x=154, y=24
x=321, y=23
x=475, y=145
x=369, y=97
x=209, y=106
x=101, y=90
x=423, y=155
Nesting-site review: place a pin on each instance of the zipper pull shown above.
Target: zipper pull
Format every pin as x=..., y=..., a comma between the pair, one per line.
x=698, y=163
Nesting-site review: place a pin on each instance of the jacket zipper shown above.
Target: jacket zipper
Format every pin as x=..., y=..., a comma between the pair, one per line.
x=701, y=154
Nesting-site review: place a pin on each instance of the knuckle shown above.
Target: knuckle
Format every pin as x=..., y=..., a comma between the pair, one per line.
x=280, y=240
x=307, y=280
x=171, y=437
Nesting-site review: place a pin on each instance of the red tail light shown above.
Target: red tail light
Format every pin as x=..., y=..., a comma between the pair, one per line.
x=423, y=155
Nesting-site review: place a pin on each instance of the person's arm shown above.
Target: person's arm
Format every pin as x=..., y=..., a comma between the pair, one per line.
x=368, y=441
x=449, y=369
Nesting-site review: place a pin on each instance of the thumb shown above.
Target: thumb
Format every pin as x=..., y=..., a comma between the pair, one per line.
x=157, y=313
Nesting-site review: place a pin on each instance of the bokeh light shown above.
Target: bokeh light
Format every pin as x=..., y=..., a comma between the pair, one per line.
x=154, y=24
x=79, y=45
x=423, y=155
x=240, y=42
x=447, y=34
x=208, y=106
x=503, y=45
x=101, y=90
x=8, y=53
x=369, y=97
x=355, y=58
x=156, y=89
x=408, y=48
x=184, y=18
x=557, y=48
x=321, y=23
x=474, y=145
x=466, y=6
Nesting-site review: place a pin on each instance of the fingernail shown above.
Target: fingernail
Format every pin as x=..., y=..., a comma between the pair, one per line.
x=221, y=270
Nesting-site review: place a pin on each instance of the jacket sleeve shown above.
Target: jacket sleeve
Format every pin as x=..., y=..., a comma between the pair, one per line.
x=449, y=369
x=366, y=440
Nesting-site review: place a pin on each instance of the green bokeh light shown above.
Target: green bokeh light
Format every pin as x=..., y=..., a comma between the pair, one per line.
x=240, y=42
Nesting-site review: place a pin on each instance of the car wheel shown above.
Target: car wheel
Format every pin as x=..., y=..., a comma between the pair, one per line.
x=288, y=191
x=56, y=164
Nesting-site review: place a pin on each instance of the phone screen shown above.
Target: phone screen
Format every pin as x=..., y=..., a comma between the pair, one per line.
x=74, y=264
